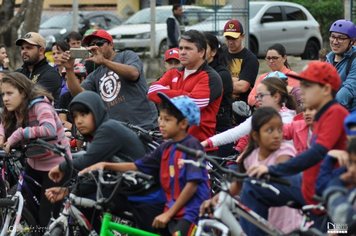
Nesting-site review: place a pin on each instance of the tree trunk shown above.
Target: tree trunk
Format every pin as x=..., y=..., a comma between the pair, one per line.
x=28, y=15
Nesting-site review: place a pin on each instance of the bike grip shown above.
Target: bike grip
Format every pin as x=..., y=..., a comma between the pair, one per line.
x=144, y=176
x=278, y=180
x=189, y=151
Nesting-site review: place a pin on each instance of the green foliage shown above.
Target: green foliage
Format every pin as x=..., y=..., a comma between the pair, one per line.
x=324, y=11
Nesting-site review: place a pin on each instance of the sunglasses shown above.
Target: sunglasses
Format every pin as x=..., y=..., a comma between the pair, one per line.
x=98, y=43
x=272, y=58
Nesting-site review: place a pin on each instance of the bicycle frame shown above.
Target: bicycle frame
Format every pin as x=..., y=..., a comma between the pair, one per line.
x=108, y=225
x=18, y=203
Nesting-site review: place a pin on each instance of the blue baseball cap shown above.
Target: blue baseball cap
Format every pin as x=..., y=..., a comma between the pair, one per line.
x=276, y=74
x=349, y=121
x=185, y=105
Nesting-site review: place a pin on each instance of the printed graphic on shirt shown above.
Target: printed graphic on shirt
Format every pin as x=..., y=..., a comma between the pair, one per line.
x=235, y=67
x=109, y=87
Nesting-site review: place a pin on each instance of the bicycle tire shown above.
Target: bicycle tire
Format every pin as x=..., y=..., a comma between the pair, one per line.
x=57, y=231
x=6, y=202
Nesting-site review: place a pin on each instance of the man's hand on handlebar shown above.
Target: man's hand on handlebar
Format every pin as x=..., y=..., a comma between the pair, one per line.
x=56, y=194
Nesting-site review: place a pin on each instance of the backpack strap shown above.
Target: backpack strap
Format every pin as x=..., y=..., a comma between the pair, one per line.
x=349, y=63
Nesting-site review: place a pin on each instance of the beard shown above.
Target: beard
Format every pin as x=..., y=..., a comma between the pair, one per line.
x=30, y=61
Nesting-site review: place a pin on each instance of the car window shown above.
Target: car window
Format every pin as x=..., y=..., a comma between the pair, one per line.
x=273, y=14
x=144, y=16
x=294, y=13
x=59, y=21
x=191, y=17
x=99, y=21
x=112, y=21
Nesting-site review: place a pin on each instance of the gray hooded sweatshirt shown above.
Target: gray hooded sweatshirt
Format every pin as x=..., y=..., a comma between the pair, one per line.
x=110, y=137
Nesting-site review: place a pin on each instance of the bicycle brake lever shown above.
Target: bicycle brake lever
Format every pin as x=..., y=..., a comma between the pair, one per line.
x=265, y=185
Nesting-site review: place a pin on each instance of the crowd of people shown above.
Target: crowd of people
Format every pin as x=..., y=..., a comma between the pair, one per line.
x=295, y=125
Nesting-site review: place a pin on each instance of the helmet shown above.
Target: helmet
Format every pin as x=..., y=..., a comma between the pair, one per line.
x=344, y=27
x=185, y=105
x=241, y=108
x=276, y=74
x=79, y=69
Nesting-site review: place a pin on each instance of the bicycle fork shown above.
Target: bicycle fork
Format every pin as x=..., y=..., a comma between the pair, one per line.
x=19, y=201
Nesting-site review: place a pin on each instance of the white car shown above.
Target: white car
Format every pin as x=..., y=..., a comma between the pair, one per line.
x=272, y=22
x=135, y=32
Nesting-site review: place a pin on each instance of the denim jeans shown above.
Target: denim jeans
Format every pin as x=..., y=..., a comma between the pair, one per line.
x=260, y=199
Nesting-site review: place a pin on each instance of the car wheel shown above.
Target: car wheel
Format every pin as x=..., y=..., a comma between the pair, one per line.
x=163, y=46
x=253, y=46
x=311, y=51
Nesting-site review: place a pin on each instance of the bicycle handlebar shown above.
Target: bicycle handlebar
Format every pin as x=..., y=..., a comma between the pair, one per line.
x=230, y=173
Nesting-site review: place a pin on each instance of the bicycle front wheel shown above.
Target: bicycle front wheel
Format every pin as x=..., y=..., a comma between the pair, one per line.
x=27, y=225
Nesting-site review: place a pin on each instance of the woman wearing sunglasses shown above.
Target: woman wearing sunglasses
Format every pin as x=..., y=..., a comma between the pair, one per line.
x=276, y=59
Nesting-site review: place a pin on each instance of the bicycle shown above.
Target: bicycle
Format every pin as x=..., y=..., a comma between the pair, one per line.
x=229, y=208
x=16, y=218
x=73, y=222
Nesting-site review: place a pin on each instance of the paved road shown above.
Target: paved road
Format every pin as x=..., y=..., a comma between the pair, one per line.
x=153, y=68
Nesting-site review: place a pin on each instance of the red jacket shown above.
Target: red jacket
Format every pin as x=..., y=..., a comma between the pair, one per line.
x=204, y=87
x=298, y=132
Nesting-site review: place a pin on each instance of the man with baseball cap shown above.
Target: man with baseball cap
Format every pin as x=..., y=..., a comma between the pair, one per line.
x=319, y=83
x=243, y=63
x=35, y=65
x=118, y=79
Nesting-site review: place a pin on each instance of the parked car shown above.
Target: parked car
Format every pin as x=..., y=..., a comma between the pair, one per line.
x=272, y=22
x=58, y=26
x=135, y=32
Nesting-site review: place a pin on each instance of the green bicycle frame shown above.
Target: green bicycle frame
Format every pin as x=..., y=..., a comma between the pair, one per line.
x=107, y=225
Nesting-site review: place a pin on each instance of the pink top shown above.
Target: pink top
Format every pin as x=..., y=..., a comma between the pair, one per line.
x=43, y=122
x=284, y=218
x=291, y=82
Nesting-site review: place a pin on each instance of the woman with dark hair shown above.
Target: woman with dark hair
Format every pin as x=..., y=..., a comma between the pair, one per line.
x=58, y=48
x=217, y=59
x=276, y=58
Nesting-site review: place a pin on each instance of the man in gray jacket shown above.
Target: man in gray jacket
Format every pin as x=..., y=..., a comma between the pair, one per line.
x=173, y=25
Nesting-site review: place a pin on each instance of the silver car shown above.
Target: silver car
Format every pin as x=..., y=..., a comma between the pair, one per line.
x=272, y=22
x=135, y=32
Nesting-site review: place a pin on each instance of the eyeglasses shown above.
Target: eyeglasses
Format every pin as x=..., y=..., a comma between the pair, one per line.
x=261, y=95
x=339, y=39
x=98, y=43
x=272, y=58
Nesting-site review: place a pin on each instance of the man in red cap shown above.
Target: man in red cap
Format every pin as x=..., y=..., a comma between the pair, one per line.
x=118, y=79
x=319, y=83
x=243, y=63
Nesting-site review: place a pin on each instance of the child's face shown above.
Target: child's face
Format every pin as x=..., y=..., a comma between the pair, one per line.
x=85, y=122
x=171, y=63
x=270, y=134
x=11, y=96
x=312, y=94
x=308, y=115
x=168, y=125
x=264, y=97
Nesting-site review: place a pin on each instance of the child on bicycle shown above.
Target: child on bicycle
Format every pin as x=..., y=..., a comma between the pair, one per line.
x=265, y=146
x=319, y=83
x=185, y=188
x=28, y=114
x=109, y=140
x=340, y=195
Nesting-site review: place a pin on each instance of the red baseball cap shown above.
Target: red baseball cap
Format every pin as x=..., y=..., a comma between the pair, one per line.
x=97, y=34
x=321, y=73
x=172, y=53
x=233, y=28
